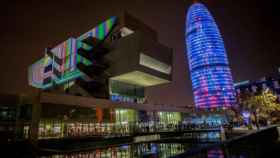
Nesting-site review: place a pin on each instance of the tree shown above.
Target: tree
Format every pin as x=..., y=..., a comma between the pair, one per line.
x=263, y=104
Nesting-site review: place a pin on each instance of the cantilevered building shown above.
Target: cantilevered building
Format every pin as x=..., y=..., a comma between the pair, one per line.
x=98, y=80
x=116, y=59
x=209, y=67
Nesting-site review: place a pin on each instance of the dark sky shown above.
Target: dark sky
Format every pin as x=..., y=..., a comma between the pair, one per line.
x=250, y=29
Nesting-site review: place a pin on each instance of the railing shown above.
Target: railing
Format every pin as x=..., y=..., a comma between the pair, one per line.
x=60, y=129
x=262, y=143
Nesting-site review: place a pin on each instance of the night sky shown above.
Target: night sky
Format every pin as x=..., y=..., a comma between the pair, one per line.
x=250, y=29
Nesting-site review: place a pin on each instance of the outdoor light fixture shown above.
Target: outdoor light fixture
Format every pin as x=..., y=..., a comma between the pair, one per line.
x=246, y=116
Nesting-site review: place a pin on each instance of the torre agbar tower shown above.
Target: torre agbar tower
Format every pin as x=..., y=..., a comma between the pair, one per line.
x=210, y=73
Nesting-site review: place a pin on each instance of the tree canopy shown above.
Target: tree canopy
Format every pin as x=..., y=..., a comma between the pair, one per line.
x=264, y=103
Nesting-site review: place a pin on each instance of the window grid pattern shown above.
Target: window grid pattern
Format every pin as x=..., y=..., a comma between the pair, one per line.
x=210, y=73
x=61, y=67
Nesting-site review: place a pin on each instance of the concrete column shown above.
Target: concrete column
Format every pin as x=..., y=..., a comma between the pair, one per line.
x=19, y=123
x=278, y=130
x=36, y=114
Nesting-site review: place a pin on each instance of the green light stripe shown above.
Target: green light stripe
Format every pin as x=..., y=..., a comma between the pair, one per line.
x=101, y=31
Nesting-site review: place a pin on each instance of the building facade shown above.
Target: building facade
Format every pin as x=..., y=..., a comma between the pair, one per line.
x=116, y=59
x=257, y=86
x=212, y=81
x=94, y=85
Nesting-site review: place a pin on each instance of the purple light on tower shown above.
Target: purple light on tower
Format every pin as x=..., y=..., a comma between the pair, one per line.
x=210, y=73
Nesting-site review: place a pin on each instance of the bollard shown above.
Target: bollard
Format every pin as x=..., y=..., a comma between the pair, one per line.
x=222, y=134
x=278, y=130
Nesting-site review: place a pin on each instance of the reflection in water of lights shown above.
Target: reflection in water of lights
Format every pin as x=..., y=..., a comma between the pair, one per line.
x=130, y=151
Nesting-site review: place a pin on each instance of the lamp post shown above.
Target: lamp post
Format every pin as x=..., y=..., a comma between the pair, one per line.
x=257, y=118
x=246, y=116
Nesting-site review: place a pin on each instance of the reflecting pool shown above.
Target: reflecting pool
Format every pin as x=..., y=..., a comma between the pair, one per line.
x=142, y=150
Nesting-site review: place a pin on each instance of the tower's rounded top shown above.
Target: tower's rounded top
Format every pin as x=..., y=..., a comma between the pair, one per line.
x=198, y=12
x=197, y=4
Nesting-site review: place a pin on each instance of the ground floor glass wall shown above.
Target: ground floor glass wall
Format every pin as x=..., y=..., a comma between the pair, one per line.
x=170, y=117
x=108, y=122
x=74, y=128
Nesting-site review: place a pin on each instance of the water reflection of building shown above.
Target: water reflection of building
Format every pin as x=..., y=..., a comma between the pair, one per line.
x=131, y=151
x=215, y=153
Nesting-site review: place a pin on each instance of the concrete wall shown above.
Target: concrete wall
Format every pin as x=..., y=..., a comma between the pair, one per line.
x=125, y=56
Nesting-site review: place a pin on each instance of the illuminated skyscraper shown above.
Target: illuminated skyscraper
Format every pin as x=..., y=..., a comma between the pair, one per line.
x=210, y=73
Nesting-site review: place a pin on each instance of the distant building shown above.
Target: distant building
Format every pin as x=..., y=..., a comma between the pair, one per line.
x=209, y=67
x=257, y=86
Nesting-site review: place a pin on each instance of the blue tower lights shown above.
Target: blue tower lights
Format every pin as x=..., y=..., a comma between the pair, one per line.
x=210, y=74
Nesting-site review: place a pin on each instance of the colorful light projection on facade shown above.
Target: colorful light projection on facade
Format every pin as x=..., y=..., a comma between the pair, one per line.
x=101, y=31
x=210, y=74
x=59, y=66
x=65, y=60
x=35, y=74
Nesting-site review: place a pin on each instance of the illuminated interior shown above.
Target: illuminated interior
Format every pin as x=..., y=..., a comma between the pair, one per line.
x=213, y=119
x=140, y=78
x=154, y=64
x=125, y=116
x=88, y=122
x=170, y=117
x=124, y=92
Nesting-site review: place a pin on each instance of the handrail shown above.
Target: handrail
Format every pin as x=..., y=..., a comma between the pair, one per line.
x=222, y=144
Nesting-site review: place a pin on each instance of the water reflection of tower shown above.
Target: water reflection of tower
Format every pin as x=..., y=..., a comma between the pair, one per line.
x=215, y=153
